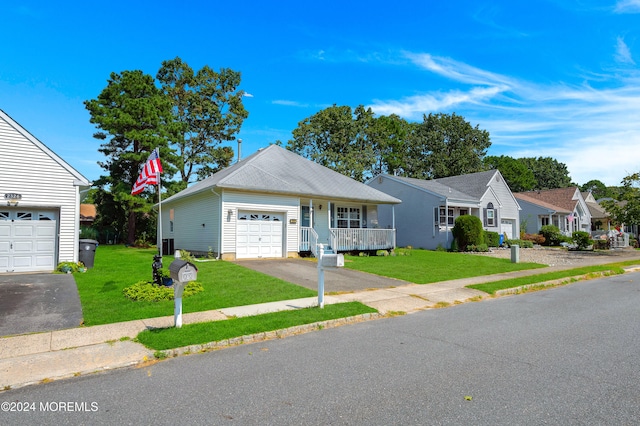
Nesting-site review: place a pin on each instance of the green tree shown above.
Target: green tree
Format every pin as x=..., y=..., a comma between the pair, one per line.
x=208, y=110
x=548, y=172
x=337, y=137
x=597, y=188
x=515, y=173
x=626, y=210
x=133, y=118
x=453, y=146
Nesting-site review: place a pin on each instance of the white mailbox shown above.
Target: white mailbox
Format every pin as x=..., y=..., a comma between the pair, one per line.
x=333, y=260
x=183, y=271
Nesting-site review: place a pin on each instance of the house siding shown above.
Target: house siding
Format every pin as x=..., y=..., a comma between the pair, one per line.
x=414, y=217
x=507, y=206
x=234, y=201
x=52, y=186
x=189, y=216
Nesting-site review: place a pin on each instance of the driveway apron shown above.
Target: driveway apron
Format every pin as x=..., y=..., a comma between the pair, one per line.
x=31, y=303
x=305, y=273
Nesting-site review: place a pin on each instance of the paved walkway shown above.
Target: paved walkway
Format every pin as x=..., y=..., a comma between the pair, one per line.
x=33, y=358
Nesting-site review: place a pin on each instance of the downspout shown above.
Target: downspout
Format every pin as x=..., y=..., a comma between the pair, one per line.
x=219, y=225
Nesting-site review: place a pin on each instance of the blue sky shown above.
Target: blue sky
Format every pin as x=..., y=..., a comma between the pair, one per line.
x=557, y=78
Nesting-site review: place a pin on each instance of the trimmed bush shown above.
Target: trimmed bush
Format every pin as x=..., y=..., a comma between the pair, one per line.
x=534, y=238
x=492, y=239
x=552, y=235
x=581, y=239
x=467, y=230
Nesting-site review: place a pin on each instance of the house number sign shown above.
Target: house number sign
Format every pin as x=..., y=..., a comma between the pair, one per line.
x=12, y=196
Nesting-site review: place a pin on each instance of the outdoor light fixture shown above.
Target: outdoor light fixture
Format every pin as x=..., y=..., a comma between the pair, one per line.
x=320, y=207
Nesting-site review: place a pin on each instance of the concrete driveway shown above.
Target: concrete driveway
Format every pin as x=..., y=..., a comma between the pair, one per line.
x=305, y=273
x=31, y=303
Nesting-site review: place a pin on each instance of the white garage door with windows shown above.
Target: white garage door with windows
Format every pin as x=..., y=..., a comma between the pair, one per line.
x=259, y=234
x=27, y=241
x=506, y=227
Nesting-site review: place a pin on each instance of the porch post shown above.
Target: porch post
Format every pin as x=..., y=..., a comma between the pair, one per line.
x=446, y=220
x=310, y=213
x=393, y=216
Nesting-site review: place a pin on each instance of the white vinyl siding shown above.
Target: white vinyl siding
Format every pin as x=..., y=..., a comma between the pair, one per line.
x=43, y=181
x=189, y=215
x=233, y=202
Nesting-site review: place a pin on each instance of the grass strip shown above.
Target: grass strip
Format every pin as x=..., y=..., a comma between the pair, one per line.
x=200, y=333
x=494, y=286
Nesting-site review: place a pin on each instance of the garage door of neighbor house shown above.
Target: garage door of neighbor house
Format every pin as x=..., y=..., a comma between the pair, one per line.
x=506, y=227
x=27, y=241
x=259, y=234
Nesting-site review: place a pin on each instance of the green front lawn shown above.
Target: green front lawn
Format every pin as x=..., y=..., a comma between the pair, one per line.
x=225, y=285
x=426, y=266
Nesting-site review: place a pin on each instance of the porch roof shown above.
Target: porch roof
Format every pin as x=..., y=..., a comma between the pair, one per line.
x=526, y=197
x=275, y=170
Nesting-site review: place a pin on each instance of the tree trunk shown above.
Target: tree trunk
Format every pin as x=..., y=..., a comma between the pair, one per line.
x=131, y=238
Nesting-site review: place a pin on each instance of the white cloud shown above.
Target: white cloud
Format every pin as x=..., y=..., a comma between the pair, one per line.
x=627, y=6
x=594, y=131
x=289, y=103
x=247, y=95
x=623, y=54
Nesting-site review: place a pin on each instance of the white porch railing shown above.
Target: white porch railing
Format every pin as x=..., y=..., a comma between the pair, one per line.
x=308, y=240
x=343, y=239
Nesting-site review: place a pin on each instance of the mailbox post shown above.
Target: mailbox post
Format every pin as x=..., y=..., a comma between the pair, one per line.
x=326, y=261
x=182, y=272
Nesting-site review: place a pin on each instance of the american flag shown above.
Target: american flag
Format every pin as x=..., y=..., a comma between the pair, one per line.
x=150, y=174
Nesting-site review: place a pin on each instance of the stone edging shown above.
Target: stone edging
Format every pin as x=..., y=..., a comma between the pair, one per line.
x=270, y=335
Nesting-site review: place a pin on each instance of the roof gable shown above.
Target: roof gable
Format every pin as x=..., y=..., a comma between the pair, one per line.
x=561, y=199
x=435, y=187
x=81, y=180
x=474, y=184
x=276, y=170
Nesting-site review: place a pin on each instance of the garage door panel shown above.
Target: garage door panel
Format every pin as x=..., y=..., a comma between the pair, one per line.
x=43, y=261
x=23, y=230
x=45, y=231
x=5, y=229
x=22, y=261
x=44, y=246
x=28, y=245
x=23, y=246
x=260, y=235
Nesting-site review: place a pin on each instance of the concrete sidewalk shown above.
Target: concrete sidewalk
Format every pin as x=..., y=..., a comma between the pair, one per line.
x=35, y=358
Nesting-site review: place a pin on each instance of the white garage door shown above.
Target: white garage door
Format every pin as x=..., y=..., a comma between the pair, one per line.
x=26, y=243
x=506, y=227
x=259, y=234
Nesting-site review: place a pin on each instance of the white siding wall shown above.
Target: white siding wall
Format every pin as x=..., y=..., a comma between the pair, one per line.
x=43, y=182
x=503, y=197
x=234, y=201
x=189, y=215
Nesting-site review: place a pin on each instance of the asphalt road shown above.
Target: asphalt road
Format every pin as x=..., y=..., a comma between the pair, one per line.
x=562, y=356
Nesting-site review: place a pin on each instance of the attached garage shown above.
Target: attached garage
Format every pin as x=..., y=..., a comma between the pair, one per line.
x=259, y=234
x=39, y=218
x=506, y=227
x=27, y=241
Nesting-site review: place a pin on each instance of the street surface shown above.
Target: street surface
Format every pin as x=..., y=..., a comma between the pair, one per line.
x=563, y=356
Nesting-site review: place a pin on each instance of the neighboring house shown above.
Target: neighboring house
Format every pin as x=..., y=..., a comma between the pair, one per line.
x=87, y=214
x=39, y=216
x=562, y=207
x=429, y=207
x=274, y=204
x=600, y=219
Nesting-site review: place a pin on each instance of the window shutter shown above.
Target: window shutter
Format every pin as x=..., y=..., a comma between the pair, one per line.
x=364, y=216
x=333, y=215
x=436, y=216
x=484, y=214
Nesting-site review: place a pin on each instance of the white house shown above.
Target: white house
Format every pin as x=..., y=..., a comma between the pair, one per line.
x=429, y=207
x=39, y=203
x=274, y=204
x=563, y=207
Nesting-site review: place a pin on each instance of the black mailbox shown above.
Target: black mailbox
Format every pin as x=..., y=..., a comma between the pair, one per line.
x=183, y=271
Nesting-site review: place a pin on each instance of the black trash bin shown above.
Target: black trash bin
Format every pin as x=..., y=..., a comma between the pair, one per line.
x=87, y=252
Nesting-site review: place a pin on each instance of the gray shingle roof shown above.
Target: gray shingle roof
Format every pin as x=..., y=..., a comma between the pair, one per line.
x=275, y=170
x=435, y=187
x=474, y=184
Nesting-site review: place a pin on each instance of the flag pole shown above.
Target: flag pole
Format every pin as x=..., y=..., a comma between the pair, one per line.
x=159, y=221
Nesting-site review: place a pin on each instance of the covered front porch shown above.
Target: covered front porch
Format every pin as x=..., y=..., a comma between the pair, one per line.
x=342, y=226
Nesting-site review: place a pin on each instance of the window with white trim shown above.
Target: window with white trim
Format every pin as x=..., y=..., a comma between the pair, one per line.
x=348, y=217
x=490, y=215
x=446, y=216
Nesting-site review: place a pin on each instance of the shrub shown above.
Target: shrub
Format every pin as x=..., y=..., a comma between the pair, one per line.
x=552, y=235
x=492, y=239
x=69, y=267
x=467, y=230
x=478, y=248
x=147, y=291
x=521, y=243
x=535, y=238
x=581, y=239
